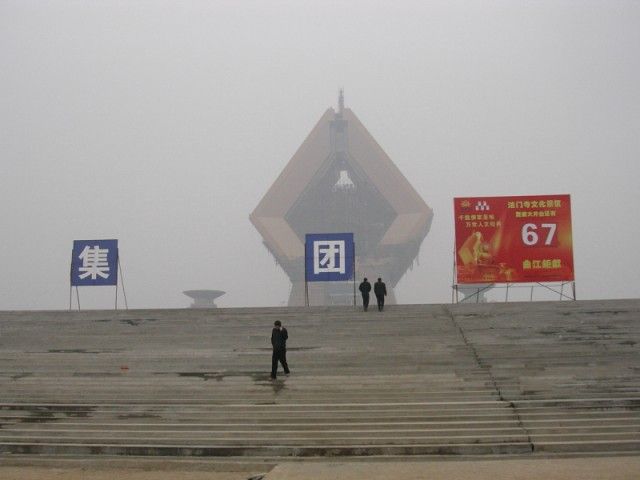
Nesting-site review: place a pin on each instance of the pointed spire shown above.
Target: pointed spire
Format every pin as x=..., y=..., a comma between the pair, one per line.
x=341, y=102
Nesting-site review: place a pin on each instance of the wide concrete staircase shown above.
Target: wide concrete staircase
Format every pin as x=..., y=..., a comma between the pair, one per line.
x=511, y=379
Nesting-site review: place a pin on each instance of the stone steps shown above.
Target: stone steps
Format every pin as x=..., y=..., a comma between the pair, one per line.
x=271, y=452
x=430, y=380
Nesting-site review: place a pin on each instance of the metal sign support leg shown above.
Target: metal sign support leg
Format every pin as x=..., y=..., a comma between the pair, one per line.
x=353, y=270
x=124, y=292
x=71, y=282
x=454, y=285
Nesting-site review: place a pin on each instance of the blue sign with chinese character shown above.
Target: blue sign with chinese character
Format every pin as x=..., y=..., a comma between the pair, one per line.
x=94, y=262
x=329, y=257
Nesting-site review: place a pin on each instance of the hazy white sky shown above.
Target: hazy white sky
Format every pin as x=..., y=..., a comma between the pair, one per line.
x=163, y=123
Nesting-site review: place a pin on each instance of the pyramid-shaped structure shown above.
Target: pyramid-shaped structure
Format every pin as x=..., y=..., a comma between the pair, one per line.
x=340, y=180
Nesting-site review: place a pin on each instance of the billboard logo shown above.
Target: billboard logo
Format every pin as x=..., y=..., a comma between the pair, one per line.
x=329, y=257
x=482, y=206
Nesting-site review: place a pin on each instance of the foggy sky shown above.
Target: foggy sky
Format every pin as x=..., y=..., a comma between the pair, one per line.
x=163, y=123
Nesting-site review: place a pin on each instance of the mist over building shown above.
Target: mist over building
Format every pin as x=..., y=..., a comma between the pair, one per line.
x=340, y=180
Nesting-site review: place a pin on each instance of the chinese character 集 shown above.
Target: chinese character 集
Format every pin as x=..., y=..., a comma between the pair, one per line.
x=94, y=262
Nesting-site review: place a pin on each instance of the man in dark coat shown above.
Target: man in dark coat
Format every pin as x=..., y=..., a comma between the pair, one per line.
x=380, y=289
x=279, y=337
x=365, y=288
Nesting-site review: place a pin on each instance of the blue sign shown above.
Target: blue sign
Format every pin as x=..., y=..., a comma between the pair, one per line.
x=329, y=257
x=94, y=262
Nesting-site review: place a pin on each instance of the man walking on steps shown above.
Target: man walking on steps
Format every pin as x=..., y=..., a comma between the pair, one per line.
x=380, y=289
x=365, y=288
x=279, y=337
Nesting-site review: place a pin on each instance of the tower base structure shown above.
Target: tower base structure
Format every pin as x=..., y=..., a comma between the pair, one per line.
x=341, y=181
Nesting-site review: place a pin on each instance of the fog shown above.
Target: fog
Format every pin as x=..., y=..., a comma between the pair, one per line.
x=163, y=123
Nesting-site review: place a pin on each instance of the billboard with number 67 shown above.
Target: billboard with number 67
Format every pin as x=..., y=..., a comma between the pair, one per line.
x=513, y=239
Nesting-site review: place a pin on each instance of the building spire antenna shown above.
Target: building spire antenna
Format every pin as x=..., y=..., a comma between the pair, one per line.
x=341, y=101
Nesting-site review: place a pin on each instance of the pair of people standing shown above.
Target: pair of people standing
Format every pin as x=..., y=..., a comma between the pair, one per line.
x=379, y=289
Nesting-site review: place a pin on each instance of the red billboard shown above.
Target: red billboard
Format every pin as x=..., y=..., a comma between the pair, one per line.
x=513, y=239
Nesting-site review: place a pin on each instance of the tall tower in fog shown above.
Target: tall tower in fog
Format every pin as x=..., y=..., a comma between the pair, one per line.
x=340, y=180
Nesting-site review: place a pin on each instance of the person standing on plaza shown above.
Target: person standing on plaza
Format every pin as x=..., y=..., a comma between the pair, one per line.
x=380, y=289
x=365, y=288
x=279, y=338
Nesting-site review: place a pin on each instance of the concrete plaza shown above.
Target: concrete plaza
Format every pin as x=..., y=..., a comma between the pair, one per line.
x=520, y=382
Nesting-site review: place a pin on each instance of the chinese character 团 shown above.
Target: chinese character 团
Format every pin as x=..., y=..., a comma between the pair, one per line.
x=94, y=262
x=328, y=256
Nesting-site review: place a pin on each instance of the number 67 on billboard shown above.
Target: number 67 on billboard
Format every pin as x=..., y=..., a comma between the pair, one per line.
x=513, y=239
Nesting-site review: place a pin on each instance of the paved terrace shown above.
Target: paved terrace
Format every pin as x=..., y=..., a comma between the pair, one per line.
x=518, y=379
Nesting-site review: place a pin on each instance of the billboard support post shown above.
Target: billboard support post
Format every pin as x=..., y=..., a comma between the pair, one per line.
x=474, y=296
x=306, y=286
x=454, y=289
x=353, y=269
x=71, y=282
x=121, y=279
